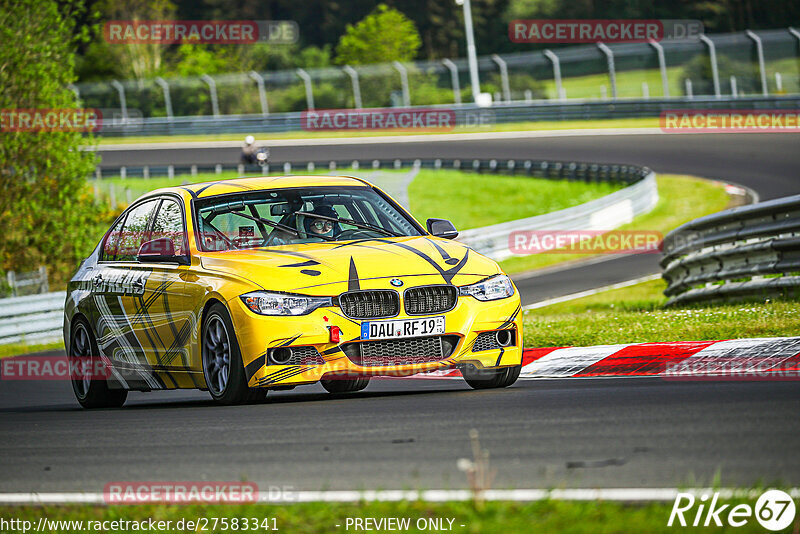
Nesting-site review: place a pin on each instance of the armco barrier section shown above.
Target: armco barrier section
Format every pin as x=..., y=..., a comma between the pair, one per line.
x=32, y=319
x=741, y=252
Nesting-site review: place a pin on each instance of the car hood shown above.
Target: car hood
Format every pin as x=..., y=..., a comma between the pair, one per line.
x=331, y=268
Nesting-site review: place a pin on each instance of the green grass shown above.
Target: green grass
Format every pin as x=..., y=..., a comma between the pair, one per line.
x=261, y=137
x=475, y=200
x=681, y=199
x=634, y=314
x=15, y=349
x=494, y=517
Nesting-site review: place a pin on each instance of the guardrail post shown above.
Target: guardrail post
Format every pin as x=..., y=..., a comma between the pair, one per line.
x=760, y=54
x=503, y=76
x=353, y=73
x=712, y=57
x=734, y=92
x=662, y=66
x=612, y=72
x=161, y=82
x=309, y=93
x=549, y=54
x=454, y=79
x=262, y=93
x=688, y=84
x=123, y=104
x=796, y=36
x=212, y=89
x=403, y=81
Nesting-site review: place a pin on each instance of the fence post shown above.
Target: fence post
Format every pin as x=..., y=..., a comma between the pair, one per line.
x=662, y=66
x=309, y=93
x=403, y=81
x=760, y=54
x=549, y=54
x=503, y=76
x=454, y=79
x=712, y=57
x=262, y=93
x=212, y=89
x=161, y=82
x=688, y=84
x=734, y=92
x=350, y=71
x=123, y=104
x=612, y=71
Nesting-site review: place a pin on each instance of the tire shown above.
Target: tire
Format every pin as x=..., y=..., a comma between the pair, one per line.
x=338, y=385
x=490, y=378
x=222, y=361
x=90, y=391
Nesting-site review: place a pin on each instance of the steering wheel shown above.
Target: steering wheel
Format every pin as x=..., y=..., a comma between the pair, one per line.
x=355, y=233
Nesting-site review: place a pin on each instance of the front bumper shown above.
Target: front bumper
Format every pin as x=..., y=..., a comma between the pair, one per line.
x=258, y=334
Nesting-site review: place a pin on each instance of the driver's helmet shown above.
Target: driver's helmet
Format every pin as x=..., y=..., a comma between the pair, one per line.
x=249, y=140
x=315, y=227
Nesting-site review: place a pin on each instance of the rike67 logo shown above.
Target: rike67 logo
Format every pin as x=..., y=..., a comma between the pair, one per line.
x=774, y=510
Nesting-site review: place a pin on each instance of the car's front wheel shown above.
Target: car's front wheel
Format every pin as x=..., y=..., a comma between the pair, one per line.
x=222, y=360
x=345, y=385
x=490, y=378
x=91, y=390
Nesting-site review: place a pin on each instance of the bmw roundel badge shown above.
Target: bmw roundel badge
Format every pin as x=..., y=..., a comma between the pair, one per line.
x=396, y=282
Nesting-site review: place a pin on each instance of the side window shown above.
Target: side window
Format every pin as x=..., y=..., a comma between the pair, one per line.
x=111, y=245
x=169, y=223
x=134, y=232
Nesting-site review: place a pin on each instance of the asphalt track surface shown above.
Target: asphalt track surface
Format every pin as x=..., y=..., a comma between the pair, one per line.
x=401, y=434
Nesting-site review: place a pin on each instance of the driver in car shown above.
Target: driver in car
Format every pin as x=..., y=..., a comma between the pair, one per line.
x=319, y=226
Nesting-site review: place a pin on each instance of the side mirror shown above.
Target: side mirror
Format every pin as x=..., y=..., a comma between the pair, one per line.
x=442, y=228
x=161, y=250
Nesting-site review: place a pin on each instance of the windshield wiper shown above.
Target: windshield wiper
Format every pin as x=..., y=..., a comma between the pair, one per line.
x=351, y=222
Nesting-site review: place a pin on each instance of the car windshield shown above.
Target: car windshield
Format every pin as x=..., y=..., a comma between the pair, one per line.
x=289, y=216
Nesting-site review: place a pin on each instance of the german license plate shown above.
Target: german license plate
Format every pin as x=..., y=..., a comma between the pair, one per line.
x=428, y=326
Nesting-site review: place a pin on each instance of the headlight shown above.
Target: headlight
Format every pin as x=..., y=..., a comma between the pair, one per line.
x=496, y=287
x=266, y=303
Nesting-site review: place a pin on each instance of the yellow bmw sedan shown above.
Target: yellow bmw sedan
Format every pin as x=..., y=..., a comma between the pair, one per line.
x=241, y=286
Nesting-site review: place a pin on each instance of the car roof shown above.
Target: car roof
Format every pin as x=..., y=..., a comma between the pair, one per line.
x=221, y=187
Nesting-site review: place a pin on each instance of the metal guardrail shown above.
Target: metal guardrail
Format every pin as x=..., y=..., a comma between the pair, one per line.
x=466, y=115
x=32, y=319
x=749, y=251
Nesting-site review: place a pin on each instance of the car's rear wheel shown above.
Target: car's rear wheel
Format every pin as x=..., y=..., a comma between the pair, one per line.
x=345, y=385
x=84, y=357
x=222, y=360
x=490, y=378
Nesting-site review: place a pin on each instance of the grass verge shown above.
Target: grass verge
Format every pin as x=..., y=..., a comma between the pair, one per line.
x=644, y=122
x=633, y=315
x=494, y=517
x=475, y=200
x=681, y=199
